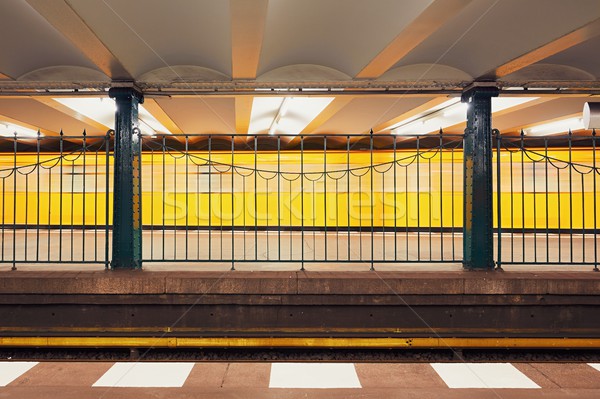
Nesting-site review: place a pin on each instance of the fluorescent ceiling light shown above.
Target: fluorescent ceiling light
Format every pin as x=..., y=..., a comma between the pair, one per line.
x=102, y=110
x=560, y=126
x=9, y=129
x=430, y=111
x=450, y=113
x=285, y=115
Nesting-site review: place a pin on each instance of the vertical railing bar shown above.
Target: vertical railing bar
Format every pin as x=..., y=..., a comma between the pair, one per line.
x=337, y=219
x=221, y=213
x=291, y=221
x=499, y=198
x=595, y=172
x=348, y=190
x=4, y=213
x=164, y=183
x=71, y=210
x=232, y=202
x=302, y=198
x=360, y=223
x=314, y=219
x=210, y=168
x=107, y=202
x=583, y=216
x=325, y=191
x=83, y=225
x=372, y=170
x=175, y=215
x=534, y=182
x=559, y=218
x=452, y=204
x=441, y=189
x=418, y=200
x=429, y=206
x=96, y=155
x=37, y=202
x=244, y=211
x=395, y=205
x=26, y=214
x=60, y=200
x=152, y=203
x=523, y=194
x=255, y=198
x=187, y=195
x=512, y=210
x=571, y=195
x=15, y=173
x=547, y=201
x=198, y=211
x=383, y=219
x=268, y=214
x=406, y=207
x=279, y=197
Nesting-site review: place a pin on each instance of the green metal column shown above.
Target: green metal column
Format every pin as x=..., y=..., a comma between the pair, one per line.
x=127, y=220
x=478, y=241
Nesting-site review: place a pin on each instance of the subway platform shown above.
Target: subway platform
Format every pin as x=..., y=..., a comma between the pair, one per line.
x=73, y=308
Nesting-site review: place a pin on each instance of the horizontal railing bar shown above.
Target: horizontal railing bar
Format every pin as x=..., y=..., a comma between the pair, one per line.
x=364, y=261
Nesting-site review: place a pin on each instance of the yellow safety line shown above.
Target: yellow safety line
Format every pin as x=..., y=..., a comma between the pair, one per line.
x=297, y=342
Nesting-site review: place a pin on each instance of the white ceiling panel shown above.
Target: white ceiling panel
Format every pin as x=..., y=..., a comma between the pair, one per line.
x=149, y=34
x=340, y=34
x=489, y=33
x=28, y=42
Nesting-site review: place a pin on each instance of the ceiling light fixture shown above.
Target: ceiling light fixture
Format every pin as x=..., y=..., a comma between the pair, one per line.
x=450, y=113
x=283, y=108
x=9, y=130
x=560, y=126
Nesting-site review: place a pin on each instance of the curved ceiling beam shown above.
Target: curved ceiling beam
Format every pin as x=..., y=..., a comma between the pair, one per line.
x=64, y=19
x=248, y=20
x=243, y=110
x=556, y=46
x=429, y=21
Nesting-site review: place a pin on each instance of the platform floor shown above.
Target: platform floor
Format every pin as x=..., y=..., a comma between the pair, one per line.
x=82, y=380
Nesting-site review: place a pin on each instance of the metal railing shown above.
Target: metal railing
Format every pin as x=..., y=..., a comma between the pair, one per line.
x=298, y=199
x=547, y=199
x=316, y=198
x=55, y=205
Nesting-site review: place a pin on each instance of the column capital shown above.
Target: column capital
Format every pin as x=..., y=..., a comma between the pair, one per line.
x=127, y=93
x=480, y=89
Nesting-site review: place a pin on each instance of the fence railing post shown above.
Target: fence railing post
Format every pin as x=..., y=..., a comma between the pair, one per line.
x=478, y=204
x=127, y=222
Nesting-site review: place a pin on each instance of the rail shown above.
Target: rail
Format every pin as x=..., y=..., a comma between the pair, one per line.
x=55, y=206
x=361, y=199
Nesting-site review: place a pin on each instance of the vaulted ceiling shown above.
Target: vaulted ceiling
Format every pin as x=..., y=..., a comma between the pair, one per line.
x=296, y=66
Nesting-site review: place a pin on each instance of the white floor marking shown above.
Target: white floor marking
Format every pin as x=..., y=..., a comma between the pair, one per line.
x=595, y=365
x=313, y=375
x=10, y=371
x=482, y=375
x=159, y=375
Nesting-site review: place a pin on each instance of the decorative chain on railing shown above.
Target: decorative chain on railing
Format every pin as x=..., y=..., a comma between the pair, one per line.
x=55, y=206
x=302, y=205
x=547, y=200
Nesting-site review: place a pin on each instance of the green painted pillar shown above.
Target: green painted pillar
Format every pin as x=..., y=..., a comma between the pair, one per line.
x=127, y=216
x=478, y=244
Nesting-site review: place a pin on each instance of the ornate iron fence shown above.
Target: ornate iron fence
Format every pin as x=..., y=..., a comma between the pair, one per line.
x=240, y=198
x=298, y=199
x=547, y=200
x=55, y=205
